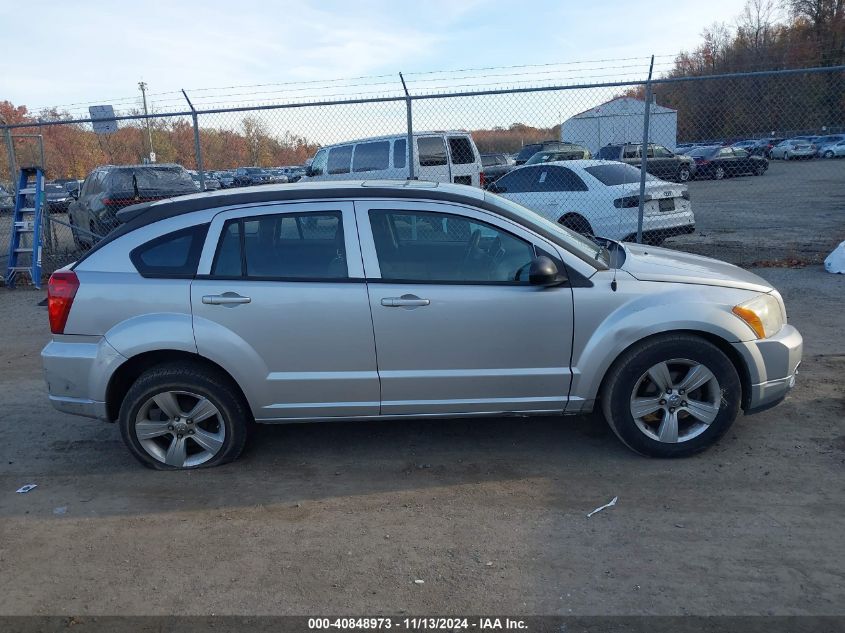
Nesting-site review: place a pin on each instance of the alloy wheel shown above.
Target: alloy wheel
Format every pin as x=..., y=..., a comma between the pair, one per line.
x=180, y=428
x=675, y=401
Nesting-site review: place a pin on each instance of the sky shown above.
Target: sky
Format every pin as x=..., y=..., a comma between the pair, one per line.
x=246, y=51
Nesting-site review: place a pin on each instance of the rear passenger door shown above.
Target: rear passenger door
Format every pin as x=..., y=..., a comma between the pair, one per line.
x=466, y=164
x=280, y=302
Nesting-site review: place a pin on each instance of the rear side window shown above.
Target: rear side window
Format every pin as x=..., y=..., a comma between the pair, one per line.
x=286, y=246
x=432, y=151
x=612, y=175
x=371, y=156
x=174, y=255
x=340, y=159
x=400, y=153
x=461, y=150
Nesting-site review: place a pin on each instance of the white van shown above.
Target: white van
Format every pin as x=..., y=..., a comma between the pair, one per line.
x=438, y=156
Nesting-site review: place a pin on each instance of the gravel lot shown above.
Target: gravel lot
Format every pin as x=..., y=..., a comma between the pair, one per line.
x=343, y=518
x=794, y=211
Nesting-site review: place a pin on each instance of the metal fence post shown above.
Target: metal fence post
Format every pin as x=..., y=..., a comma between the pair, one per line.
x=411, y=175
x=197, y=146
x=644, y=153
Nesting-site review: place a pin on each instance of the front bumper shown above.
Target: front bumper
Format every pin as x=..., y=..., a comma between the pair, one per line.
x=772, y=366
x=77, y=370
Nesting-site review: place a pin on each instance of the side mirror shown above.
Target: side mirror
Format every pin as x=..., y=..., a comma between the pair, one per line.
x=544, y=272
x=309, y=172
x=74, y=193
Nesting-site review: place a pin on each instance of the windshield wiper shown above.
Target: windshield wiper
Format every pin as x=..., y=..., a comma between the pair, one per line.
x=135, y=186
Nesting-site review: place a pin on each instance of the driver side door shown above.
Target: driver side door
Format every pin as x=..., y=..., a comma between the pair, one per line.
x=458, y=329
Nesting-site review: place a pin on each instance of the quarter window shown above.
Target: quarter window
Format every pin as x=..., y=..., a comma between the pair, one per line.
x=432, y=151
x=371, y=156
x=174, y=255
x=439, y=247
x=283, y=246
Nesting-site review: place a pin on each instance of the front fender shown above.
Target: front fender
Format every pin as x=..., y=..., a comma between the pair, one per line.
x=607, y=325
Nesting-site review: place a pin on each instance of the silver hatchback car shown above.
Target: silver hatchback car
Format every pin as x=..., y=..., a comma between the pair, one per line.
x=376, y=300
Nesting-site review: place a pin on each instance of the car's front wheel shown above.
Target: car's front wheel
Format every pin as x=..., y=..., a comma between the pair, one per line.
x=719, y=172
x=828, y=154
x=759, y=170
x=684, y=174
x=671, y=396
x=182, y=416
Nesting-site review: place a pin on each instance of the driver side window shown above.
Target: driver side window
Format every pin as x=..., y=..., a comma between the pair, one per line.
x=423, y=246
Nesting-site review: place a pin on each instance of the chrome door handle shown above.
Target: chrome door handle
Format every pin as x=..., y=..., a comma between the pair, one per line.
x=409, y=301
x=227, y=298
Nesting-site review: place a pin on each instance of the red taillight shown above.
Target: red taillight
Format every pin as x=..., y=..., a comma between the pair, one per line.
x=60, y=293
x=482, y=179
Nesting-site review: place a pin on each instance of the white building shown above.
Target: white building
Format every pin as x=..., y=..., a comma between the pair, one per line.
x=620, y=120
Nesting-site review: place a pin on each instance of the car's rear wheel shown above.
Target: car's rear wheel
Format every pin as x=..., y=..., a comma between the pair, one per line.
x=828, y=154
x=183, y=416
x=719, y=172
x=577, y=223
x=759, y=170
x=671, y=396
x=684, y=174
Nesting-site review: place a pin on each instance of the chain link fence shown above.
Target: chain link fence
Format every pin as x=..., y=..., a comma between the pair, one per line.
x=740, y=167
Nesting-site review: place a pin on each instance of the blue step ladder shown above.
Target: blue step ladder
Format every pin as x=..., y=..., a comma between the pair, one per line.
x=25, y=242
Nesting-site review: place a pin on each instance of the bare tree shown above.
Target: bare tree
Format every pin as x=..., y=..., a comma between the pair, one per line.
x=755, y=22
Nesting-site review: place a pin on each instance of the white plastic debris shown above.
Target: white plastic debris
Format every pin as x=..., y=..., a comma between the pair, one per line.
x=835, y=262
x=419, y=582
x=604, y=507
x=26, y=488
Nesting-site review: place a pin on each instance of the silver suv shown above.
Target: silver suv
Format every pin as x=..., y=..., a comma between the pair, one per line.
x=363, y=300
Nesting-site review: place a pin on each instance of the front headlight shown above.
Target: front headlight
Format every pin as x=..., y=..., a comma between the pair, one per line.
x=762, y=314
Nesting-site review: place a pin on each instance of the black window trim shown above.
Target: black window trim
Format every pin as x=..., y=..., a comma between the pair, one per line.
x=194, y=254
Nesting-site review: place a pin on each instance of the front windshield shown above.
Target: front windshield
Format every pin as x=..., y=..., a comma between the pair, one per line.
x=576, y=241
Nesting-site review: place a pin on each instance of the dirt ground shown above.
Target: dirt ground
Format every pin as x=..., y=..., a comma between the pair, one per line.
x=490, y=514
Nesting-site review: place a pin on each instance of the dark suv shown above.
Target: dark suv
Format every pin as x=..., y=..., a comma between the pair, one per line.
x=109, y=188
x=660, y=162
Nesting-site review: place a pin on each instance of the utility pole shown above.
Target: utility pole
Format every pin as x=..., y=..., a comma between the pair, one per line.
x=143, y=86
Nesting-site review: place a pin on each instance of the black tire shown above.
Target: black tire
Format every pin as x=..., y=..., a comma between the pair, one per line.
x=684, y=174
x=719, y=173
x=828, y=153
x=625, y=373
x=197, y=379
x=759, y=170
x=577, y=223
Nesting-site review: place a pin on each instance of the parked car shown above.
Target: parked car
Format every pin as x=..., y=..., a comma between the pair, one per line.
x=248, y=176
x=225, y=178
x=825, y=141
x=494, y=166
x=203, y=314
x=573, y=152
x=683, y=148
x=833, y=150
x=529, y=150
x=600, y=197
x=109, y=188
x=211, y=184
x=746, y=145
x=56, y=198
x=724, y=162
x=438, y=156
x=793, y=149
x=660, y=162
